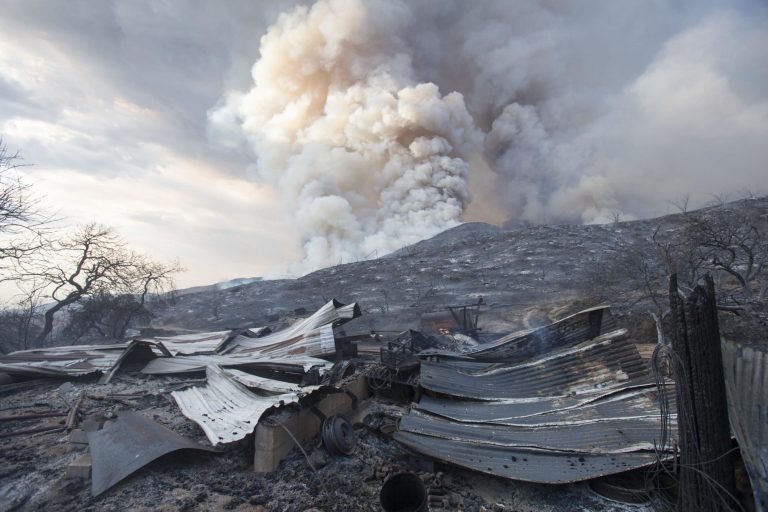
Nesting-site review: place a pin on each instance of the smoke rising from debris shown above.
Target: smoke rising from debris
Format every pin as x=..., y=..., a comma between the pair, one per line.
x=372, y=118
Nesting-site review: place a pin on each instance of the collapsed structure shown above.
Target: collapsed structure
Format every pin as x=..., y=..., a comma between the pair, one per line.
x=569, y=401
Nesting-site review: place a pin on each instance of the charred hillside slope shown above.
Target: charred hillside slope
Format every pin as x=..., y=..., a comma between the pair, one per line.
x=525, y=275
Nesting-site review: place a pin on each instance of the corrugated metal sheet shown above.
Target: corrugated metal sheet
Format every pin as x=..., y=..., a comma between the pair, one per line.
x=541, y=406
x=636, y=401
x=564, y=333
x=746, y=382
x=198, y=363
x=68, y=361
x=315, y=342
x=225, y=409
x=283, y=351
x=197, y=343
x=268, y=385
x=312, y=336
x=593, y=366
x=527, y=464
x=606, y=435
x=543, y=440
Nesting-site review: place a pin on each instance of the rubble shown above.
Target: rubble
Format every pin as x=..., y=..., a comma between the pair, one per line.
x=565, y=402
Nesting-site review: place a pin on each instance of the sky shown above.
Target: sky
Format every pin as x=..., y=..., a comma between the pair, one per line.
x=265, y=138
x=108, y=103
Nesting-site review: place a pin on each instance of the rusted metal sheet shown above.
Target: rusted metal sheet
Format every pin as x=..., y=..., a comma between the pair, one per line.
x=131, y=443
x=746, y=382
x=225, y=409
x=526, y=464
x=567, y=332
x=593, y=366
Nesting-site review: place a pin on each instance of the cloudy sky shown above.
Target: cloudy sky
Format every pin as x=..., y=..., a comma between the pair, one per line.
x=201, y=135
x=108, y=101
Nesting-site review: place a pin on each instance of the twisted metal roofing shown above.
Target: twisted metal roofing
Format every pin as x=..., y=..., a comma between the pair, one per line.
x=593, y=366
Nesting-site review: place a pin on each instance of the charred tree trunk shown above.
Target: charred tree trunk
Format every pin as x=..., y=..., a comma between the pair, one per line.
x=706, y=466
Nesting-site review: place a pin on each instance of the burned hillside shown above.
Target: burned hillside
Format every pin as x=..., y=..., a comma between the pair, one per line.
x=525, y=276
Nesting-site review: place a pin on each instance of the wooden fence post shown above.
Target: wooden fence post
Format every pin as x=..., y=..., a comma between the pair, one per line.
x=706, y=466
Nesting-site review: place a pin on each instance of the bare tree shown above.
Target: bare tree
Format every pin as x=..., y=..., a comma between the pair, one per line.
x=734, y=241
x=19, y=325
x=681, y=203
x=22, y=223
x=109, y=315
x=91, y=261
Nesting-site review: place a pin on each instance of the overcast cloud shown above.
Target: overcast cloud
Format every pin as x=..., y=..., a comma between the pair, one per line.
x=108, y=101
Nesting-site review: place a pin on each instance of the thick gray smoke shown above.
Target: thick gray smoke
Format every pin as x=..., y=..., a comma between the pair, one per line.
x=376, y=119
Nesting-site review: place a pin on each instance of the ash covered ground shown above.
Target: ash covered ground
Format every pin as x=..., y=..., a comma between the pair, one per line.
x=33, y=467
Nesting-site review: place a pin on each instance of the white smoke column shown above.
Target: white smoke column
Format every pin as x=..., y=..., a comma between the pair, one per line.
x=584, y=111
x=611, y=108
x=368, y=158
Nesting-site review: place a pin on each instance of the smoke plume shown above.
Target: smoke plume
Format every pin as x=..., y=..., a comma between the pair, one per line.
x=372, y=118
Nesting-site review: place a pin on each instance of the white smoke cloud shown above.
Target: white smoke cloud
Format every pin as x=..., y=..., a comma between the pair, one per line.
x=368, y=158
x=371, y=116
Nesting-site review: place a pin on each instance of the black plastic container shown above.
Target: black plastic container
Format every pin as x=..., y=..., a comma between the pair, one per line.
x=404, y=492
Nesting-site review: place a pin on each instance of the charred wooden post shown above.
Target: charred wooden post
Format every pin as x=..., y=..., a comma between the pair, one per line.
x=706, y=465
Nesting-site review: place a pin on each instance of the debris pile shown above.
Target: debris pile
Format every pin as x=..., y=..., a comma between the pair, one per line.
x=570, y=401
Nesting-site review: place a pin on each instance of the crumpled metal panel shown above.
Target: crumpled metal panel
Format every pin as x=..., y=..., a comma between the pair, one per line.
x=138, y=350
x=564, y=333
x=131, y=443
x=605, y=435
x=315, y=342
x=312, y=336
x=198, y=363
x=526, y=464
x=225, y=409
x=62, y=361
x=635, y=401
x=268, y=385
x=746, y=382
x=67, y=361
x=197, y=343
x=593, y=366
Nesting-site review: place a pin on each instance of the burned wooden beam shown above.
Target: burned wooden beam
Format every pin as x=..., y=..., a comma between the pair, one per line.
x=706, y=465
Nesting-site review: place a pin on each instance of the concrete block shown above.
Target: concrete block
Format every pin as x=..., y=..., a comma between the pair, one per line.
x=80, y=467
x=271, y=441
